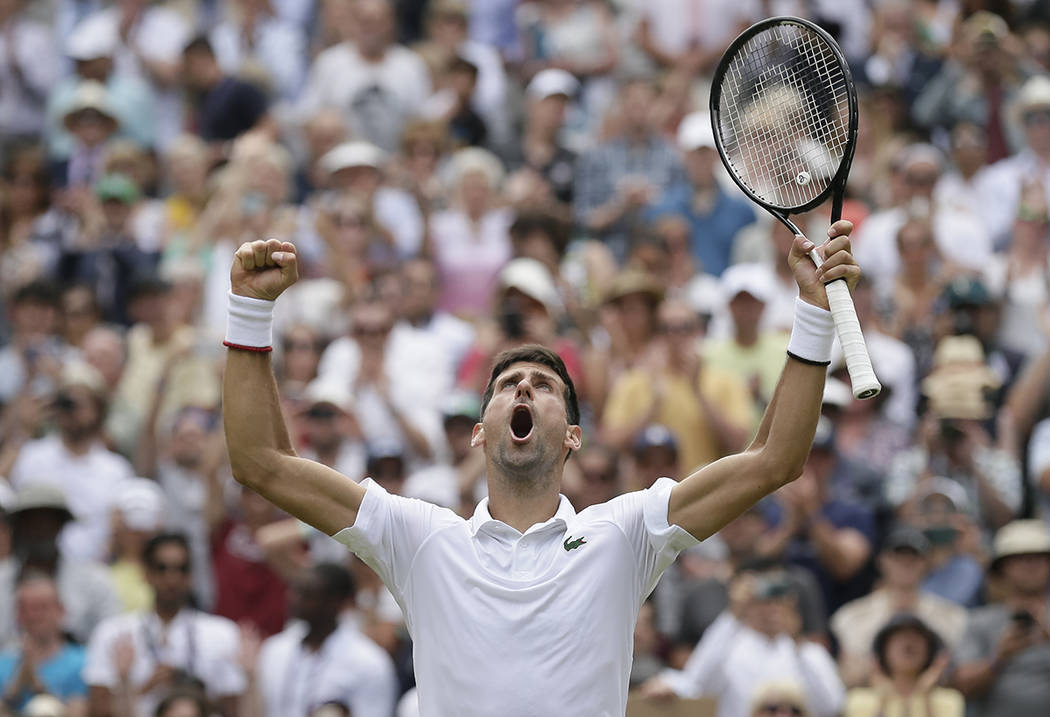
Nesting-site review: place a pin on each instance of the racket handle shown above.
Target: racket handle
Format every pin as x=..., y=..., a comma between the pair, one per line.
x=858, y=362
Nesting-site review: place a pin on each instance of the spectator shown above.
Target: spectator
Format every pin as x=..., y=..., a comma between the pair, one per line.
x=45, y=663
x=29, y=67
x=752, y=353
x=903, y=562
x=322, y=132
x=470, y=243
x=690, y=35
x=76, y=460
x=1007, y=643
x=331, y=433
x=600, y=477
x=452, y=481
x=714, y=216
x=955, y=543
x=183, y=703
x=25, y=255
x=543, y=145
x=92, y=50
x=322, y=657
x=34, y=354
x=255, y=41
x=137, y=517
x=81, y=314
x=225, y=107
x=91, y=120
x=961, y=186
x=37, y=515
x=618, y=179
x=910, y=661
x=134, y=659
x=761, y=629
x=451, y=103
x=417, y=308
x=708, y=408
x=377, y=83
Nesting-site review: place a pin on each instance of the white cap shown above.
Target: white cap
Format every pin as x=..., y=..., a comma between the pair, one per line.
x=91, y=95
x=326, y=389
x=751, y=278
x=91, y=40
x=531, y=278
x=141, y=504
x=695, y=131
x=353, y=154
x=836, y=393
x=552, y=82
x=1035, y=92
x=921, y=153
x=703, y=293
x=45, y=706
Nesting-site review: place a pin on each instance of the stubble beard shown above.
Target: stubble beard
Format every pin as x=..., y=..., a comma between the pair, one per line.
x=525, y=468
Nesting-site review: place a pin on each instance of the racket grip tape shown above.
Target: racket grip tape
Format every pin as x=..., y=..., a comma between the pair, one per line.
x=858, y=362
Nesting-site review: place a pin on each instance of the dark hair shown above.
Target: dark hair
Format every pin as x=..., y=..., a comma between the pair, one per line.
x=534, y=353
x=200, y=43
x=149, y=551
x=906, y=621
x=195, y=696
x=532, y=222
x=337, y=582
x=38, y=291
x=462, y=64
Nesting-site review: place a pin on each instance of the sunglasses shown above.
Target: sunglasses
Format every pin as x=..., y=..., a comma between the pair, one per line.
x=181, y=568
x=781, y=708
x=1037, y=117
x=321, y=413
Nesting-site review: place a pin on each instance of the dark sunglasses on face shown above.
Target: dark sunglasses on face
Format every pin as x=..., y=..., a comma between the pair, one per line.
x=321, y=413
x=1037, y=116
x=778, y=708
x=181, y=568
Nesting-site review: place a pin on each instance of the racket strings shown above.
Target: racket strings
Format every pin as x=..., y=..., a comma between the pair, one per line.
x=784, y=115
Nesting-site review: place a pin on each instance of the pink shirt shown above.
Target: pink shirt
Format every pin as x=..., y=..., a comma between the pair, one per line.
x=469, y=258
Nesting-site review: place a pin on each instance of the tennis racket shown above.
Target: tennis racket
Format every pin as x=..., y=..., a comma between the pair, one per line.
x=784, y=113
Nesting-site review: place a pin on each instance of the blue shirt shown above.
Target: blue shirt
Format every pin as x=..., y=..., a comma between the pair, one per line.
x=712, y=232
x=60, y=674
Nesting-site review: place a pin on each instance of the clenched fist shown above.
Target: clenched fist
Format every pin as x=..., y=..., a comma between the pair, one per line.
x=264, y=269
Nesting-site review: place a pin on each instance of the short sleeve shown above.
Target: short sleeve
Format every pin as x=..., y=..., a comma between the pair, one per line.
x=388, y=532
x=642, y=515
x=99, y=670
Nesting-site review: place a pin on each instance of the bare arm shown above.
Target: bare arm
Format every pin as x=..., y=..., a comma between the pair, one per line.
x=720, y=491
x=261, y=453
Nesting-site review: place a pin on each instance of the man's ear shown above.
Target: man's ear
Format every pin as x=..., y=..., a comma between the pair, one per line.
x=573, y=438
x=477, y=436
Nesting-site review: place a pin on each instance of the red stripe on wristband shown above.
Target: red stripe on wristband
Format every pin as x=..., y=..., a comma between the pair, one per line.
x=256, y=349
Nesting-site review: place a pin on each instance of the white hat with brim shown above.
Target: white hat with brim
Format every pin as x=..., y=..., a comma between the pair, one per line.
x=353, y=154
x=140, y=503
x=533, y=279
x=1035, y=94
x=549, y=83
x=1021, y=537
x=90, y=96
x=748, y=278
x=695, y=132
x=91, y=40
x=327, y=390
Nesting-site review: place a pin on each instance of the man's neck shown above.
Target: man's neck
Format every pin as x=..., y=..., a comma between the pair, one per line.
x=44, y=646
x=167, y=613
x=637, y=135
x=902, y=597
x=319, y=631
x=746, y=339
x=522, y=506
x=78, y=445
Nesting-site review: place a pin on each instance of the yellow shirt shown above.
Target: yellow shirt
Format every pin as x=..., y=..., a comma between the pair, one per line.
x=129, y=582
x=632, y=394
x=761, y=362
x=864, y=702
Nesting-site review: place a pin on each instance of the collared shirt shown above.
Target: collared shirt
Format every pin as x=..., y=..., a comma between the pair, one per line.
x=732, y=661
x=202, y=645
x=349, y=668
x=535, y=623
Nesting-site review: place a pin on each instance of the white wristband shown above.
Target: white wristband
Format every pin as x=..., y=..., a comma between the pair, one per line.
x=812, y=334
x=249, y=323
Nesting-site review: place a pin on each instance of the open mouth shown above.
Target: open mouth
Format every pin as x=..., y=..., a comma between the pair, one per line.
x=521, y=423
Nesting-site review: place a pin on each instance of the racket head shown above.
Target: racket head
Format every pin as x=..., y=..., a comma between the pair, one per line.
x=784, y=114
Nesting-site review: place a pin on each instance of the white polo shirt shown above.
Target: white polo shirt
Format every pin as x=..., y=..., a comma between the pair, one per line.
x=532, y=624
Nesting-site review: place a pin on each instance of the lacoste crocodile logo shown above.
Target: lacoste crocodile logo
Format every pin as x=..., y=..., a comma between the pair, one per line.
x=571, y=544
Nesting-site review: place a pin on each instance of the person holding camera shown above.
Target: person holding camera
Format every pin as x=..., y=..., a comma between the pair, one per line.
x=1004, y=658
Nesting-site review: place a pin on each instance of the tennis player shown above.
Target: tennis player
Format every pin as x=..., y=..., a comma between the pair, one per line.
x=527, y=608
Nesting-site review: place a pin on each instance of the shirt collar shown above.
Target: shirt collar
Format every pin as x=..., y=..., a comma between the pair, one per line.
x=483, y=520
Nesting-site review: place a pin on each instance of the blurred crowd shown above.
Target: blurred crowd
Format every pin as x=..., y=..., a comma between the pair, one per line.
x=460, y=177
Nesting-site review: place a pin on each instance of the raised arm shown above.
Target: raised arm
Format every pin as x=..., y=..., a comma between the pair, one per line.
x=720, y=491
x=261, y=453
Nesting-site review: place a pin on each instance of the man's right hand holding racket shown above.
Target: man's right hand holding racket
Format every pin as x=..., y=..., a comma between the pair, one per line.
x=261, y=452
x=838, y=264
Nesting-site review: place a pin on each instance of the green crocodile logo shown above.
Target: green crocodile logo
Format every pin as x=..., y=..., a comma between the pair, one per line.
x=571, y=544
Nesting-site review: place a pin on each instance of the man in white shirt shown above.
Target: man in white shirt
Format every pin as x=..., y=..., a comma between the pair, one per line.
x=527, y=608
x=29, y=65
x=377, y=83
x=321, y=658
x=139, y=656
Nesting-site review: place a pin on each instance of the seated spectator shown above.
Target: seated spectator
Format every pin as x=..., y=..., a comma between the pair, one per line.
x=902, y=564
x=753, y=353
x=755, y=641
x=377, y=83
x=76, y=460
x=226, y=107
x=470, y=242
x=910, y=660
x=323, y=658
x=45, y=662
x=135, y=659
x=708, y=408
x=37, y=515
x=1006, y=648
x=714, y=216
x=830, y=537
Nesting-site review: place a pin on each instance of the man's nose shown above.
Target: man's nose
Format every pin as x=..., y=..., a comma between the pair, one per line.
x=524, y=389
